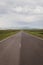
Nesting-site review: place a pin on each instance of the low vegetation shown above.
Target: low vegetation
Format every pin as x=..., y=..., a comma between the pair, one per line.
x=6, y=33
x=38, y=33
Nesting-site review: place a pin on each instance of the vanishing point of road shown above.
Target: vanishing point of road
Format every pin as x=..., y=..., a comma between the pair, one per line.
x=21, y=49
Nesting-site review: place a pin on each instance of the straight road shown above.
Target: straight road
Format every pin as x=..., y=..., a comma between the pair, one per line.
x=10, y=50
x=21, y=49
x=31, y=50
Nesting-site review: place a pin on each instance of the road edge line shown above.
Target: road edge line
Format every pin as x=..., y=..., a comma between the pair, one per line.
x=34, y=36
x=8, y=37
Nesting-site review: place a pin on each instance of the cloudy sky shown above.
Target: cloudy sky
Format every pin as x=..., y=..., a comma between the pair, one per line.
x=21, y=14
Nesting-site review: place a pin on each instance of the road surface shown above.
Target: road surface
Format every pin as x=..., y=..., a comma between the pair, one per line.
x=21, y=49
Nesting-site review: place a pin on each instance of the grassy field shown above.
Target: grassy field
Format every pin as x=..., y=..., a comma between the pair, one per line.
x=6, y=33
x=38, y=33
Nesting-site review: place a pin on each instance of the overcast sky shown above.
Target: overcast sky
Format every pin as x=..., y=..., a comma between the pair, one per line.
x=21, y=13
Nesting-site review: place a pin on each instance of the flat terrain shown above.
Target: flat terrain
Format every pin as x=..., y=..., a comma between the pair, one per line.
x=6, y=33
x=38, y=33
x=10, y=50
x=21, y=49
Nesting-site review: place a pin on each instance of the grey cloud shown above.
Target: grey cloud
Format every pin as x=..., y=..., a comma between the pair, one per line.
x=34, y=8
x=22, y=23
x=37, y=24
x=3, y=11
x=13, y=4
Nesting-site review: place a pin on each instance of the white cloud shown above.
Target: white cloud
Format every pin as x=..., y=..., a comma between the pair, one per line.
x=38, y=10
x=12, y=11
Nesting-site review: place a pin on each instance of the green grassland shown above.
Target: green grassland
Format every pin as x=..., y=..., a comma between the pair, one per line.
x=6, y=33
x=38, y=33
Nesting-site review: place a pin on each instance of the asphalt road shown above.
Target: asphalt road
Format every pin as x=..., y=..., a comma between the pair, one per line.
x=21, y=49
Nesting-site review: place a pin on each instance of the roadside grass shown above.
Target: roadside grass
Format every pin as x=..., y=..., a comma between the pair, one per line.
x=6, y=33
x=38, y=33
